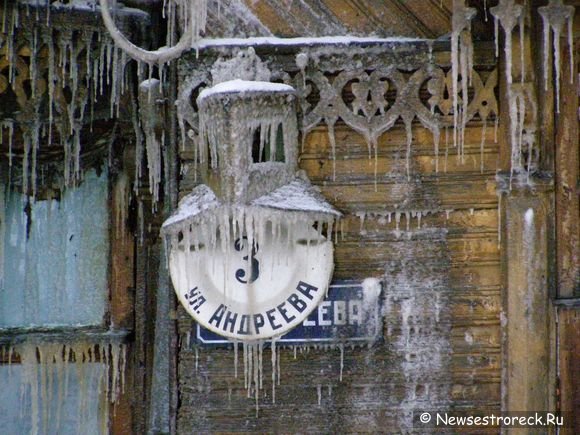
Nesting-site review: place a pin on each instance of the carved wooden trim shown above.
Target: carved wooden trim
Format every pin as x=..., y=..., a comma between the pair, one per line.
x=370, y=98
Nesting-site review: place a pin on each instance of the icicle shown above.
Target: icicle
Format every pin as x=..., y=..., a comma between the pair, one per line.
x=463, y=60
x=332, y=139
x=11, y=49
x=461, y=55
x=454, y=81
x=496, y=35
x=341, y=347
x=361, y=215
x=557, y=66
x=409, y=131
x=546, y=37
x=114, y=99
x=235, y=344
x=554, y=16
x=499, y=220
x=571, y=47
x=522, y=51
x=260, y=360
x=436, y=139
x=278, y=372
x=485, y=9
x=246, y=364
x=301, y=63
x=274, y=369
x=482, y=145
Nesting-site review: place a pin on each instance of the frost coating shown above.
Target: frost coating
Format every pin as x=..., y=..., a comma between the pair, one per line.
x=245, y=66
x=252, y=131
x=371, y=293
x=69, y=286
x=299, y=195
x=188, y=16
x=417, y=310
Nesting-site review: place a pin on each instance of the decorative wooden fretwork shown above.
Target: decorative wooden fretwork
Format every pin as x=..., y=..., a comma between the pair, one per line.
x=370, y=88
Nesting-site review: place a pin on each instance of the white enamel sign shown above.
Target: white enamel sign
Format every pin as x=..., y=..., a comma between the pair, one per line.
x=258, y=292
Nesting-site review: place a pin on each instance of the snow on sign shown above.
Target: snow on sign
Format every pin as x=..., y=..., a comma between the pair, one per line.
x=350, y=313
x=251, y=256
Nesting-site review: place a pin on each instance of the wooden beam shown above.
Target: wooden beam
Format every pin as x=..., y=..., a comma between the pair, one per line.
x=569, y=362
x=566, y=179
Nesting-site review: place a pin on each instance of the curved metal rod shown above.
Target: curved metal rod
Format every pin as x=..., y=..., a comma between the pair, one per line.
x=159, y=56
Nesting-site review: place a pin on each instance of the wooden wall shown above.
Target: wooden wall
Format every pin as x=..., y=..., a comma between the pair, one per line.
x=441, y=347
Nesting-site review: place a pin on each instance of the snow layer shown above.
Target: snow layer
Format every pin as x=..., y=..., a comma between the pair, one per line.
x=199, y=200
x=309, y=41
x=243, y=86
x=297, y=196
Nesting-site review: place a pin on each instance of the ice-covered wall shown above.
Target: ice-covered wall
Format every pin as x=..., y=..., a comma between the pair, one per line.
x=55, y=263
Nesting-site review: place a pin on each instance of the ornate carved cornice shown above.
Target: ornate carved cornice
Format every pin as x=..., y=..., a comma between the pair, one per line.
x=370, y=86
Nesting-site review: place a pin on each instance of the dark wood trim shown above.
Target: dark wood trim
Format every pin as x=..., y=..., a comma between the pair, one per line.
x=122, y=289
x=566, y=182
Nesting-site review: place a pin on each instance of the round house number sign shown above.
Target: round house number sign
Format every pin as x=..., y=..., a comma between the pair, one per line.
x=253, y=292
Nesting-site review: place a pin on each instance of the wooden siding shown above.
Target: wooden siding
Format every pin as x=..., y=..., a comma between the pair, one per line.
x=454, y=254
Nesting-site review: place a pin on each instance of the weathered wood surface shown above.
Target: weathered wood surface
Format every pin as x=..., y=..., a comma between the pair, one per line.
x=452, y=256
x=566, y=180
x=569, y=362
x=415, y=18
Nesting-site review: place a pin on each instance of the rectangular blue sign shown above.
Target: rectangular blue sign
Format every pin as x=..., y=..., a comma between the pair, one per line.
x=341, y=318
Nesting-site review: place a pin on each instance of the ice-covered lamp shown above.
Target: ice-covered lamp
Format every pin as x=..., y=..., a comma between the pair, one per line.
x=250, y=254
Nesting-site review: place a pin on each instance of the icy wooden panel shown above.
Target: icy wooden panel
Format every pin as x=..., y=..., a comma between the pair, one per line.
x=64, y=404
x=57, y=274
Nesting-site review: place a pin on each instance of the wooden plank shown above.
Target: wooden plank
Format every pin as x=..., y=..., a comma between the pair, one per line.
x=566, y=180
x=122, y=257
x=569, y=363
x=122, y=287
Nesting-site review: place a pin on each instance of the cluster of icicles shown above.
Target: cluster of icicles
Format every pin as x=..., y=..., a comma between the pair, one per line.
x=509, y=14
x=222, y=227
x=212, y=133
x=522, y=106
x=106, y=68
x=46, y=365
x=252, y=360
x=87, y=66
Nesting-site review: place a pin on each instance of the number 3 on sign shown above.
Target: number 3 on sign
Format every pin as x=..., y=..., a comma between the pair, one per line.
x=255, y=268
